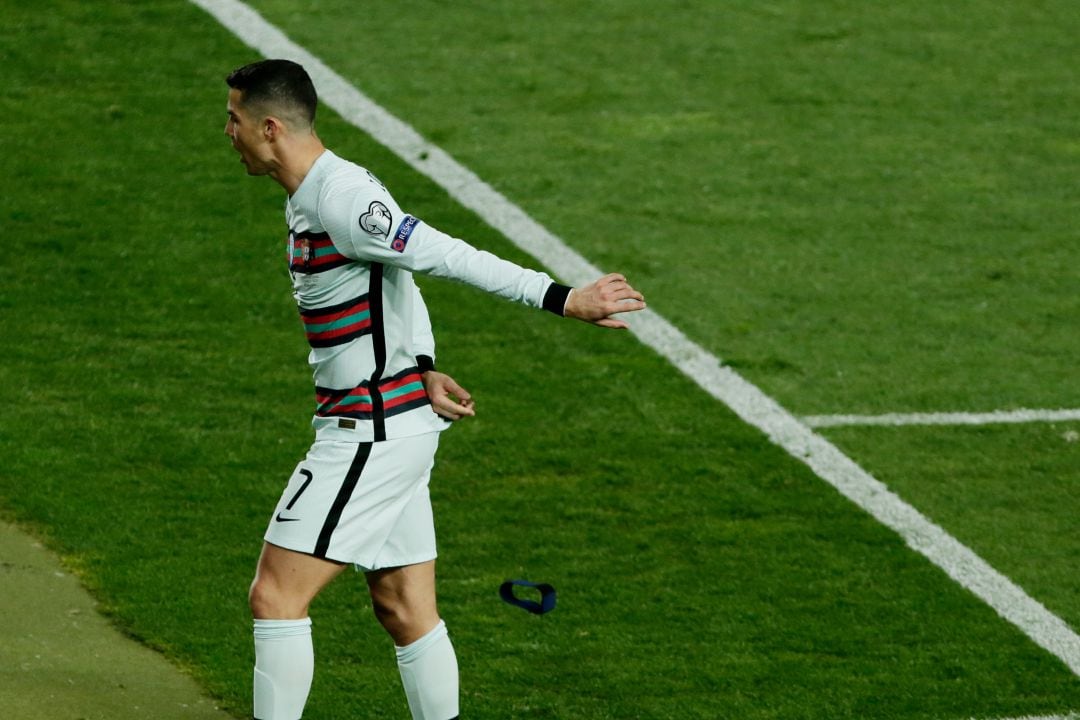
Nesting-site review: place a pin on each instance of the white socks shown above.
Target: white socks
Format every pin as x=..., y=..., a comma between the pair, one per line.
x=429, y=673
x=284, y=663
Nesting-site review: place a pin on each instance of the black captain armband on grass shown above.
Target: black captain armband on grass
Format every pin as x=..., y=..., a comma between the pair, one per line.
x=547, y=596
x=555, y=298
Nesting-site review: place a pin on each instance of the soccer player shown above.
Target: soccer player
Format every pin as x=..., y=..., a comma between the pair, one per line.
x=360, y=496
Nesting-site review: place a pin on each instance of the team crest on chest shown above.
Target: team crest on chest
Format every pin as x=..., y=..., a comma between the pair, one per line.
x=377, y=220
x=300, y=252
x=305, y=252
x=313, y=252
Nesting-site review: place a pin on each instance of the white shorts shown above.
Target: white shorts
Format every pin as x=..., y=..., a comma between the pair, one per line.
x=365, y=503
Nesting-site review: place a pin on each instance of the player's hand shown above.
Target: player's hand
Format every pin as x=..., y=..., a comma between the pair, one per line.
x=597, y=302
x=448, y=399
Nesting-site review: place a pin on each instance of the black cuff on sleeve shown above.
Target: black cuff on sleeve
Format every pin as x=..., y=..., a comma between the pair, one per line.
x=425, y=363
x=555, y=298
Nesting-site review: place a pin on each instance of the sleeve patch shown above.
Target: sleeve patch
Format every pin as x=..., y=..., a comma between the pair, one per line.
x=377, y=220
x=404, y=231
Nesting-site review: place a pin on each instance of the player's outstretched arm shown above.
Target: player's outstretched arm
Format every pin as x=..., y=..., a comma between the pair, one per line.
x=596, y=302
x=447, y=398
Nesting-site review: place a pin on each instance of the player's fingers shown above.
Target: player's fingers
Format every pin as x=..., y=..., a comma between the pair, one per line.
x=623, y=306
x=457, y=390
x=604, y=297
x=612, y=323
x=443, y=410
x=619, y=290
x=458, y=404
x=608, y=279
x=458, y=408
x=451, y=410
x=625, y=293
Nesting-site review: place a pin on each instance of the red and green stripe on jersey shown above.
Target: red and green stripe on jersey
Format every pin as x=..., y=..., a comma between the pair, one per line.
x=310, y=252
x=401, y=393
x=337, y=324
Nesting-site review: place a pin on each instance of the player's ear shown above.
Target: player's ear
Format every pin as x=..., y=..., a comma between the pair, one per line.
x=272, y=128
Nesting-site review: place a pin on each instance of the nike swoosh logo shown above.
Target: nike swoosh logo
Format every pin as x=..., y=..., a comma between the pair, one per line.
x=285, y=519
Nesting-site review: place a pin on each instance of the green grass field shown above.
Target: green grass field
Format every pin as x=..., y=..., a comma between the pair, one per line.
x=862, y=208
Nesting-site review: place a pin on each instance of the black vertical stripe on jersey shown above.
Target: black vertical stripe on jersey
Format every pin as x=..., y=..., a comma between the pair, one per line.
x=378, y=346
x=363, y=451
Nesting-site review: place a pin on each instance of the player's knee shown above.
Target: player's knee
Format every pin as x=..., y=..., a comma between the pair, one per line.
x=403, y=622
x=387, y=612
x=269, y=601
x=395, y=616
x=261, y=599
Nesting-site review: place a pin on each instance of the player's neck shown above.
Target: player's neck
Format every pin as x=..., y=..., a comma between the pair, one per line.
x=295, y=162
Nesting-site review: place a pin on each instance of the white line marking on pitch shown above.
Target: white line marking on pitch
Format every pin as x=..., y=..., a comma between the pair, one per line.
x=750, y=403
x=1070, y=716
x=953, y=418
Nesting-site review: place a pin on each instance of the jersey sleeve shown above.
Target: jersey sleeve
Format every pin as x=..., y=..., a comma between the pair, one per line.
x=366, y=224
x=421, y=248
x=423, y=340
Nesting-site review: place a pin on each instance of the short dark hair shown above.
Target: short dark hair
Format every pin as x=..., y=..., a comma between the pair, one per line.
x=276, y=87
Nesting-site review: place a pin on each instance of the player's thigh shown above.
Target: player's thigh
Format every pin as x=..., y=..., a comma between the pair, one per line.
x=287, y=581
x=404, y=599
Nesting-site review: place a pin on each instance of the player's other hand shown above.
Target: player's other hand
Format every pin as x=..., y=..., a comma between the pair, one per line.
x=598, y=301
x=447, y=398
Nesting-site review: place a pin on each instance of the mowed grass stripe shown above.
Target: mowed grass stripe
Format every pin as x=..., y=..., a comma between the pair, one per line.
x=747, y=400
x=819, y=192
x=702, y=574
x=1007, y=490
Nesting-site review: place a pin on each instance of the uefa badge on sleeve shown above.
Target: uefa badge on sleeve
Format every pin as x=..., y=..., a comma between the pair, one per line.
x=404, y=231
x=377, y=220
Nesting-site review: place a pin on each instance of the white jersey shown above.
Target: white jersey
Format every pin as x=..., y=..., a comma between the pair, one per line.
x=352, y=252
